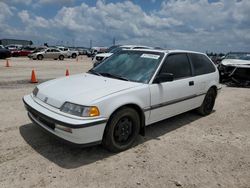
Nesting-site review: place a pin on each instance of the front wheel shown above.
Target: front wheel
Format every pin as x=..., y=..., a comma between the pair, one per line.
x=208, y=103
x=61, y=57
x=39, y=57
x=122, y=130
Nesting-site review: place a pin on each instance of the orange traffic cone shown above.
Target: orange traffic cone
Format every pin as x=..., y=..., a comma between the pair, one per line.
x=33, y=77
x=67, y=72
x=7, y=63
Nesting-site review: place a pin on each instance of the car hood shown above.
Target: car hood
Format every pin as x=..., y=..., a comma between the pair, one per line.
x=36, y=53
x=236, y=63
x=80, y=89
x=104, y=55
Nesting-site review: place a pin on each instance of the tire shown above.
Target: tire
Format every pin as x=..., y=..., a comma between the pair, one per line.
x=73, y=56
x=121, y=130
x=208, y=103
x=39, y=57
x=61, y=57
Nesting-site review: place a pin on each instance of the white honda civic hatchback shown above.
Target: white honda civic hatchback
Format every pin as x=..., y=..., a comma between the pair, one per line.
x=113, y=102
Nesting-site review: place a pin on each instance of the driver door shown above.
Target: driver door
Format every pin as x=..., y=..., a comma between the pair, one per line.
x=47, y=53
x=173, y=97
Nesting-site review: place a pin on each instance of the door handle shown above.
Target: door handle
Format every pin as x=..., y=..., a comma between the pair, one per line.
x=191, y=83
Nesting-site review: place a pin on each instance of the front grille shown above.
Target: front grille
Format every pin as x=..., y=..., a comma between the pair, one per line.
x=44, y=121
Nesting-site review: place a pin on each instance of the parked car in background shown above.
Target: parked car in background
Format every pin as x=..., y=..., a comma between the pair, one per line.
x=51, y=53
x=128, y=91
x=82, y=51
x=13, y=47
x=38, y=49
x=216, y=59
x=235, y=67
x=91, y=52
x=69, y=52
x=23, y=51
x=4, y=53
x=99, y=49
x=100, y=57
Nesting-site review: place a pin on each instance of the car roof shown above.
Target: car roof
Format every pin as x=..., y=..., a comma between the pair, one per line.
x=51, y=48
x=135, y=46
x=166, y=51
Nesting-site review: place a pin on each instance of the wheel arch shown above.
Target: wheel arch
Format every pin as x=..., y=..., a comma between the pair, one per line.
x=39, y=55
x=214, y=87
x=138, y=110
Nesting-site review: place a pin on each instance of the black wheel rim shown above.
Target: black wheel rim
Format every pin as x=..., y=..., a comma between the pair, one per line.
x=123, y=131
x=209, y=101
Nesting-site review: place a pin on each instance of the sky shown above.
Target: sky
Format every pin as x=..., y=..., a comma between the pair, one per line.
x=200, y=25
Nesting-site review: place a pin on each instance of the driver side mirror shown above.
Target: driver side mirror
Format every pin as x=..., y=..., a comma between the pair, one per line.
x=164, y=77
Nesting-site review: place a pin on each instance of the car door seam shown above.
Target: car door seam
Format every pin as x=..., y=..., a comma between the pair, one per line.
x=171, y=102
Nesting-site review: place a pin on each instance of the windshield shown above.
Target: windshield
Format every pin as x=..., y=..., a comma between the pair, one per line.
x=242, y=56
x=137, y=66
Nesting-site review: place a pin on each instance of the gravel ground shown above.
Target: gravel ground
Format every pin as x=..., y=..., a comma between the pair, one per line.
x=185, y=151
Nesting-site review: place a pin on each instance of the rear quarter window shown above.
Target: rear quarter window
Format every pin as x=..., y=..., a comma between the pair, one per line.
x=201, y=64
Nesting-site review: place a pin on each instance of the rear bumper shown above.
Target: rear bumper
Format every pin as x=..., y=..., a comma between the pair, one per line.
x=82, y=132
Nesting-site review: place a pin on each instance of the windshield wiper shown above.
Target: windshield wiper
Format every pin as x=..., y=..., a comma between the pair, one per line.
x=113, y=76
x=94, y=72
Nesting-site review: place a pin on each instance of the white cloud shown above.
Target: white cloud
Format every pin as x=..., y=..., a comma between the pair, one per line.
x=37, y=21
x=5, y=12
x=184, y=24
x=125, y=21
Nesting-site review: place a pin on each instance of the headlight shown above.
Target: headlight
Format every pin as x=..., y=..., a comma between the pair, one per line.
x=79, y=110
x=35, y=91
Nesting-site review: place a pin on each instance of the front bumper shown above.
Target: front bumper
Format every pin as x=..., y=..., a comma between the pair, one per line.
x=83, y=132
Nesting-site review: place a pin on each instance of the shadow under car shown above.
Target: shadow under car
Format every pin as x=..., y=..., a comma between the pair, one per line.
x=70, y=157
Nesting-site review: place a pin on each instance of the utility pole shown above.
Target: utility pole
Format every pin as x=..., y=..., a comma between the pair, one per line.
x=113, y=40
x=90, y=43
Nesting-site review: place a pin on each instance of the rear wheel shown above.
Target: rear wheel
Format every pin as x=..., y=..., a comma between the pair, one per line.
x=61, y=57
x=122, y=130
x=208, y=102
x=73, y=56
x=39, y=57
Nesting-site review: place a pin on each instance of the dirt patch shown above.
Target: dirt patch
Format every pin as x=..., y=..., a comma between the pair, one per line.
x=16, y=84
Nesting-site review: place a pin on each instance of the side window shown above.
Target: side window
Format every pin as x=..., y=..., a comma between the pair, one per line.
x=201, y=64
x=49, y=50
x=178, y=65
